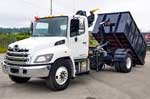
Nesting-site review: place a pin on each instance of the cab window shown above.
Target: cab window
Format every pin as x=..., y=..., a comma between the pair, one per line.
x=82, y=26
x=77, y=27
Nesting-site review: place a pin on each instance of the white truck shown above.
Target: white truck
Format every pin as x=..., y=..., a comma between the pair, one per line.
x=58, y=50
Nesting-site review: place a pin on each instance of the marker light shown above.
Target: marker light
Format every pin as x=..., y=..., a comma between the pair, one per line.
x=36, y=18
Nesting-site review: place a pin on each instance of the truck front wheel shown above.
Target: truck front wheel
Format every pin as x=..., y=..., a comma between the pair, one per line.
x=19, y=79
x=59, y=76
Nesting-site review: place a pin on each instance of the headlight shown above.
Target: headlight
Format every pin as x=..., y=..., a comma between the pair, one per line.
x=43, y=58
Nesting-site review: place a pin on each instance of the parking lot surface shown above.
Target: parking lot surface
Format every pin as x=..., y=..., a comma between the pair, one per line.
x=106, y=84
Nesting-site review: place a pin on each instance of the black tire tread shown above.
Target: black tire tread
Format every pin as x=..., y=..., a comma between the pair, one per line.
x=121, y=66
x=50, y=81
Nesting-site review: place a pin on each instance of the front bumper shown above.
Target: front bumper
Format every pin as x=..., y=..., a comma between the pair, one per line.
x=30, y=71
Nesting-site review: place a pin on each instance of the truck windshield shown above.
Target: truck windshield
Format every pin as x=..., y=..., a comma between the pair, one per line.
x=56, y=26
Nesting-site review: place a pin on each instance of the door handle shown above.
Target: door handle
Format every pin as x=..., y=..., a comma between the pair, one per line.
x=76, y=39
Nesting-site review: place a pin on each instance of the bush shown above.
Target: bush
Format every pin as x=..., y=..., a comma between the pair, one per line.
x=6, y=39
x=3, y=50
x=21, y=36
x=148, y=48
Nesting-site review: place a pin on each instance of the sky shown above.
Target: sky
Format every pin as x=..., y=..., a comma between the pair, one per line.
x=19, y=13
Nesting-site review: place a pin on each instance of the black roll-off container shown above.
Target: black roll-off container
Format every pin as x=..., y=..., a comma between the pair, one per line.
x=123, y=34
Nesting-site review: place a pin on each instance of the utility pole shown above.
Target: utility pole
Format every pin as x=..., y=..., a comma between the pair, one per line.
x=74, y=6
x=51, y=7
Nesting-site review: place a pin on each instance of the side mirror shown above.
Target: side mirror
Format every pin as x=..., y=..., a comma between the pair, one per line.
x=31, y=28
x=74, y=27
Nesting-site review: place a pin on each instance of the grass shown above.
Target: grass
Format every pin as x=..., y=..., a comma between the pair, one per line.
x=3, y=50
x=148, y=49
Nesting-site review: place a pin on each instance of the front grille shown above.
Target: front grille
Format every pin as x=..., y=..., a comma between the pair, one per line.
x=18, y=50
x=17, y=57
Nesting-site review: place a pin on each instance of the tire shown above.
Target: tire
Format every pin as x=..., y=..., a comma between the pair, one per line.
x=19, y=80
x=61, y=68
x=100, y=67
x=93, y=65
x=124, y=66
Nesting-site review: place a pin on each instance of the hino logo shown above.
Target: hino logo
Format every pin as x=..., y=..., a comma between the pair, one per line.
x=16, y=48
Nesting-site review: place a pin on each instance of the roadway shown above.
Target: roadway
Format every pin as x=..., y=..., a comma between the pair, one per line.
x=106, y=84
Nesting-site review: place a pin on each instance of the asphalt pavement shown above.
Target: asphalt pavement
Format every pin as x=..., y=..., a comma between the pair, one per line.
x=106, y=84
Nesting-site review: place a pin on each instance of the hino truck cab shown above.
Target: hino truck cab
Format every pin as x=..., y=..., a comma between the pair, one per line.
x=56, y=51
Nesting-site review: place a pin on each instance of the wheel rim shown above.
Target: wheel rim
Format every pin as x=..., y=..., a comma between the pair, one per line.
x=128, y=62
x=61, y=75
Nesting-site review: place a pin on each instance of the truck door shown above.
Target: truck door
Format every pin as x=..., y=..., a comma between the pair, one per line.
x=78, y=40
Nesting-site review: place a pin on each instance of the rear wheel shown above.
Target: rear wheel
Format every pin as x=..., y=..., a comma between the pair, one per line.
x=93, y=65
x=59, y=76
x=124, y=66
x=19, y=79
x=100, y=67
